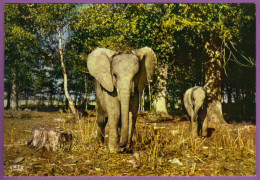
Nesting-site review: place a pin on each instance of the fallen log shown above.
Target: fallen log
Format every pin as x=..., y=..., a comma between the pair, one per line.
x=50, y=139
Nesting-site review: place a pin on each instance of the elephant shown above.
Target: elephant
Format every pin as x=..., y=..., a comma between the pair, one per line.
x=119, y=78
x=195, y=102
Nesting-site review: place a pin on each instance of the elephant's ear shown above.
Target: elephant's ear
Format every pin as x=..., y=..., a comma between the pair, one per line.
x=98, y=63
x=148, y=62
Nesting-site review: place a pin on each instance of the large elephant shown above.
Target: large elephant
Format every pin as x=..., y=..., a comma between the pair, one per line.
x=195, y=102
x=119, y=78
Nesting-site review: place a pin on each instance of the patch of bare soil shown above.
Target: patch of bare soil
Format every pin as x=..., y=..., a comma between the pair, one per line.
x=162, y=147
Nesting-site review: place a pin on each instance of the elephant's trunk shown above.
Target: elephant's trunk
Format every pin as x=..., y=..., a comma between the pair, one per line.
x=124, y=99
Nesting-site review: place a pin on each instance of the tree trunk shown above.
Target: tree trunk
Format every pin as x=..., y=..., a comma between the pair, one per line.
x=50, y=140
x=17, y=101
x=66, y=104
x=229, y=94
x=142, y=101
x=76, y=98
x=13, y=95
x=71, y=104
x=86, y=94
x=9, y=93
x=213, y=84
x=50, y=100
x=160, y=101
x=26, y=98
x=13, y=100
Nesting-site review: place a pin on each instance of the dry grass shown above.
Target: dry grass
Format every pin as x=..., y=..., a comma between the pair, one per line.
x=161, y=148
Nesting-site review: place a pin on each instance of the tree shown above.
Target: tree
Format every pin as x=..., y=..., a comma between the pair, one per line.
x=210, y=25
x=53, y=19
x=21, y=49
x=195, y=44
x=185, y=37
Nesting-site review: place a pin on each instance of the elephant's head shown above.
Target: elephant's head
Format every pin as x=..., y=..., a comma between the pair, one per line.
x=125, y=73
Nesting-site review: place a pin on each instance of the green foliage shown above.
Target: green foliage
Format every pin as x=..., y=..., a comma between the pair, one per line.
x=176, y=32
x=21, y=48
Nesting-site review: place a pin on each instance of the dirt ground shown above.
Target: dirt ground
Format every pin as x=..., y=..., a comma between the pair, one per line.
x=162, y=147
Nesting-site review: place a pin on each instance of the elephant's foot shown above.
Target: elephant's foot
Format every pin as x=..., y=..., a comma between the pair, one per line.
x=204, y=134
x=99, y=139
x=128, y=148
x=118, y=149
x=194, y=134
x=114, y=148
x=99, y=135
x=194, y=129
x=125, y=151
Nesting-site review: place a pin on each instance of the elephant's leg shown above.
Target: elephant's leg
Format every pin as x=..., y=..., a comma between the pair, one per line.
x=199, y=127
x=113, y=140
x=119, y=126
x=101, y=123
x=132, y=127
x=203, y=122
x=132, y=122
x=130, y=131
x=205, y=127
x=132, y=118
x=113, y=109
x=194, y=126
x=101, y=112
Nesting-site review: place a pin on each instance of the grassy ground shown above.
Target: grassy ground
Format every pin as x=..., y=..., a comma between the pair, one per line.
x=162, y=147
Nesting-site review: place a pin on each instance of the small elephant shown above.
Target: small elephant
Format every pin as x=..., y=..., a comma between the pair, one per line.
x=195, y=102
x=119, y=78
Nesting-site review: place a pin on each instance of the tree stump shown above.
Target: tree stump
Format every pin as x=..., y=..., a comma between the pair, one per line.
x=49, y=139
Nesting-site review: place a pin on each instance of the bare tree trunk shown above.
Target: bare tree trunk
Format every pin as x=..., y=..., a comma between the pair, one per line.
x=143, y=103
x=50, y=139
x=8, y=99
x=76, y=98
x=17, y=101
x=13, y=104
x=71, y=104
x=140, y=102
x=13, y=96
x=229, y=94
x=26, y=99
x=213, y=84
x=86, y=94
x=160, y=101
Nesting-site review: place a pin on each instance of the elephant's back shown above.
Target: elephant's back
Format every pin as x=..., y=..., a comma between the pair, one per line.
x=199, y=94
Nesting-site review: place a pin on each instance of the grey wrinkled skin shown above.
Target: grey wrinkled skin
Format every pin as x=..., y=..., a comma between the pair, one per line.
x=119, y=78
x=195, y=102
